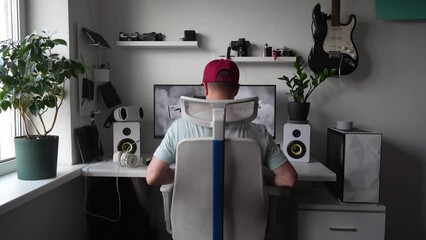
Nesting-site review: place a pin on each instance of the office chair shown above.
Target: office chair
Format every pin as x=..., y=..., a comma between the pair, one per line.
x=218, y=190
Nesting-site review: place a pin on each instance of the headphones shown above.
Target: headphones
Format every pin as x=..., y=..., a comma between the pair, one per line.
x=126, y=159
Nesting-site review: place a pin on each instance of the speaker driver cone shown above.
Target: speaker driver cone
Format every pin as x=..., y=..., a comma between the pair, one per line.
x=127, y=145
x=296, y=149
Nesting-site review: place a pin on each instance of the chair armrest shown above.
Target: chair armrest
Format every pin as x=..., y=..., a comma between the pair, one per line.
x=166, y=188
x=167, y=192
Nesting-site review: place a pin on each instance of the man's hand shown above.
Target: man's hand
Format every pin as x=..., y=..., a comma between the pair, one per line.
x=283, y=176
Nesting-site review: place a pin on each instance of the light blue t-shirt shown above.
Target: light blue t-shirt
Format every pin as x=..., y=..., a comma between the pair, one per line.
x=272, y=156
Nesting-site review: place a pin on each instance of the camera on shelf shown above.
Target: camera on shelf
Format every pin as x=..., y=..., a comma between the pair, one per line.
x=153, y=36
x=240, y=47
x=128, y=36
x=284, y=52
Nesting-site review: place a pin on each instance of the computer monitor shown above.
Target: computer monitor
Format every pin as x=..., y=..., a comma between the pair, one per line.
x=167, y=109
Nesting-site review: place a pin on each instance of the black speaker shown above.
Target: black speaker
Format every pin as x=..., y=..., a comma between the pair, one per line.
x=190, y=35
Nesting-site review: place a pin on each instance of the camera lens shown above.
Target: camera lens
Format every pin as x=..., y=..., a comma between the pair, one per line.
x=296, y=133
x=242, y=51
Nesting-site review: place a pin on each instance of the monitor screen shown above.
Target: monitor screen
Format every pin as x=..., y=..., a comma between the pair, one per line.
x=167, y=109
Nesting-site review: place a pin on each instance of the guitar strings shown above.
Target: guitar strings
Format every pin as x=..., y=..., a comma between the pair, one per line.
x=337, y=48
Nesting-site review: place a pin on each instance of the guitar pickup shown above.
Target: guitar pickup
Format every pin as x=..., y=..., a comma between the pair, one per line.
x=334, y=54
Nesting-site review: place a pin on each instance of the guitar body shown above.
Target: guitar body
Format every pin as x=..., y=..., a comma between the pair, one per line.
x=333, y=45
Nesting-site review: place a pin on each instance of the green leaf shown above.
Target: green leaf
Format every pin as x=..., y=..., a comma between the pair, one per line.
x=50, y=101
x=50, y=43
x=325, y=72
x=59, y=41
x=284, y=78
x=7, y=80
x=5, y=105
x=33, y=109
x=54, y=55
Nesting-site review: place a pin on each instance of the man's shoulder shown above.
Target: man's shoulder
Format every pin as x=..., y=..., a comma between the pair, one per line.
x=247, y=130
x=258, y=127
x=184, y=124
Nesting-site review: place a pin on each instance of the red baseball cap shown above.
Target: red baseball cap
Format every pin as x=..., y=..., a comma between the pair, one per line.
x=221, y=70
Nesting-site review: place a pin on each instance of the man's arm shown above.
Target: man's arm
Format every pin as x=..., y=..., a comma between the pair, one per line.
x=159, y=172
x=284, y=175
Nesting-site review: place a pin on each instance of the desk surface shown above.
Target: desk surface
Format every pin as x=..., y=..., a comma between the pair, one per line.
x=109, y=169
x=312, y=171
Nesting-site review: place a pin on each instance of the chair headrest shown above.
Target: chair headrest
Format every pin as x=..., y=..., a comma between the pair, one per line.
x=210, y=113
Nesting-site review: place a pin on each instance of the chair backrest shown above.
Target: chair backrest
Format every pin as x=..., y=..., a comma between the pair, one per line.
x=244, y=207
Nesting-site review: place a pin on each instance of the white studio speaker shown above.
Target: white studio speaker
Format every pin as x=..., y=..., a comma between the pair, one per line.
x=127, y=137
x=296, y=142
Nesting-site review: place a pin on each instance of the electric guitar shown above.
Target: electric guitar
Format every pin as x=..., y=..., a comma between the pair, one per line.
x=333, y=45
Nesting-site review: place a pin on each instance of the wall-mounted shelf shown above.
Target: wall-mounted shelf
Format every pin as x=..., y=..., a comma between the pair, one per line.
x=262, y=59
x=158, y=44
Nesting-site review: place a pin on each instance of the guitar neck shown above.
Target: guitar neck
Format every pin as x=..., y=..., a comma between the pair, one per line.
x=335, y=13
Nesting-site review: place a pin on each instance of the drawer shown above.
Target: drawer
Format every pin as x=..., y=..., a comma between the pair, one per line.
x=331, y=225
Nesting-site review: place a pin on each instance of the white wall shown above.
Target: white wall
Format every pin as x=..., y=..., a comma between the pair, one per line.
x=53, y=16
x=384, y=94
x=84, y=13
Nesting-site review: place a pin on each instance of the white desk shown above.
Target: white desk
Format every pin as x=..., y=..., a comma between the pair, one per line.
x=312, y=171
x=109, y=169
x=320, y=214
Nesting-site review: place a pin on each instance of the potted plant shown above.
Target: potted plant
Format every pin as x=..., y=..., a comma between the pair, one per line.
x=301, y=87
x=32, y=81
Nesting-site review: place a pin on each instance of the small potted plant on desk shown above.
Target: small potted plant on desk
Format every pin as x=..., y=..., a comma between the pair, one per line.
x=298, y=106
x=32, y=81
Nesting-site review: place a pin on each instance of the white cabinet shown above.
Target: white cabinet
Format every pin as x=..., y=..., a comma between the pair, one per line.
x=340, y=225
x=321, y=215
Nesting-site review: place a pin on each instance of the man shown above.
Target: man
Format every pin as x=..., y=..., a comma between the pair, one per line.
x=221, y=82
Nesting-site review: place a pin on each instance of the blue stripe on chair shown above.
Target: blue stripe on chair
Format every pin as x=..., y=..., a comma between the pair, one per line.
x=218, y=185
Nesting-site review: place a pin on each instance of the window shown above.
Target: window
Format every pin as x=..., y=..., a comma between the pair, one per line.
x=9, y=120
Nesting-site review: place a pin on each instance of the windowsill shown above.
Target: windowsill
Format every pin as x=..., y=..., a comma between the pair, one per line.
x=15, y=192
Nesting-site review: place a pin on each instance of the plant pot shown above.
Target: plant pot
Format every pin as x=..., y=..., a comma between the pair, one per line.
x=298, y=112
x=36, y=158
